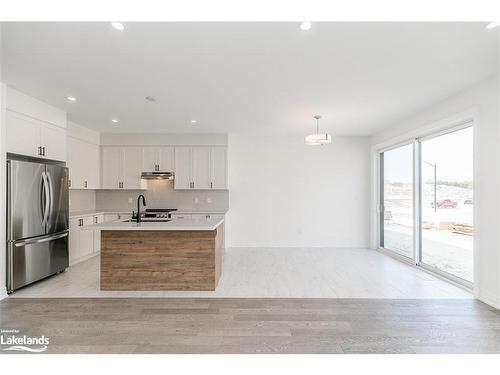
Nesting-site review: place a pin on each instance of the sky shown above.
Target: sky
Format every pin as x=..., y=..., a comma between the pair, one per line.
x=452, y=152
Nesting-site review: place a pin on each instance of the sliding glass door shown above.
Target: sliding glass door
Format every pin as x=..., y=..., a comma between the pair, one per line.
x=396, y=216
x=426, y=202
x=447, y=203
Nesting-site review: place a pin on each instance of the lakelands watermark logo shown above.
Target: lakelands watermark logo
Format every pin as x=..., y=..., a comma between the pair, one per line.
x=11, y=340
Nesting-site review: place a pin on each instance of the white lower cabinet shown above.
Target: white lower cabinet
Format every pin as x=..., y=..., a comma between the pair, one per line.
x=83, y=242
x=74, y=240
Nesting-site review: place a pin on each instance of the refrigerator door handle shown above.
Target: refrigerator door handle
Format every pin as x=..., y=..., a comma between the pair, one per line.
x=43, y=199
x=45, y=204
x=48, y=238
x=50, y=196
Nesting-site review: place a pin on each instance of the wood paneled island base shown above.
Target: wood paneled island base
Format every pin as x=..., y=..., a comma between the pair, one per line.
x=160, y=260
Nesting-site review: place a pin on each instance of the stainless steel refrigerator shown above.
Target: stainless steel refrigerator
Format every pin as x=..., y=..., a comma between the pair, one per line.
x=37, y=220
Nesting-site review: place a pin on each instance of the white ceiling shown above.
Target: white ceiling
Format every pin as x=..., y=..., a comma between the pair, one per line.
x=245, y=77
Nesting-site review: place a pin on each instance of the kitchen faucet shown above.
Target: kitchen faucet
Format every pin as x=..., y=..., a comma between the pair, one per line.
x=138, y=218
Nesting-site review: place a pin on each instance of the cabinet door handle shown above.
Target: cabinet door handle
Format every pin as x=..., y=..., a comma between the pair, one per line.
x=95, y=219
x=40, y=150
x=211, y=185
x=43, y=148
x=80, y=222
x=69, y=183
x=85, y=184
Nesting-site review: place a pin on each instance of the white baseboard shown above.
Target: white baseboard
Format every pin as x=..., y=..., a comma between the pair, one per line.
x=489, y=299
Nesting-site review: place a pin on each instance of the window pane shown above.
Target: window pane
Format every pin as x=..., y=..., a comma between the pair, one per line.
x=398, y=200
x=447, y=203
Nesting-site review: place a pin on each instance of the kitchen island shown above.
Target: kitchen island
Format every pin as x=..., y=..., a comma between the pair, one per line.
x=182, y=254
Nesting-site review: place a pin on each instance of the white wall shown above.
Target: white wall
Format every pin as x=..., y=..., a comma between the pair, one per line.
x=481, y=101
x=283, y=193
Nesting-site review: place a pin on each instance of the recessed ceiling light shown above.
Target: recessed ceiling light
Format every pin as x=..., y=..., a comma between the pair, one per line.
x=194, y=121
x=150, y=99
x=118, y=25
x=114, y=120
x=492, y=25
x=305, y=25
x=71, y=98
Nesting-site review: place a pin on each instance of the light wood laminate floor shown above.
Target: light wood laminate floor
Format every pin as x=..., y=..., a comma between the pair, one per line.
x=218, y=325
x=278, y=273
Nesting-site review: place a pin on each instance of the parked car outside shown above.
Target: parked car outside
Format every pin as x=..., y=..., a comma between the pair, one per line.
x=445, y=203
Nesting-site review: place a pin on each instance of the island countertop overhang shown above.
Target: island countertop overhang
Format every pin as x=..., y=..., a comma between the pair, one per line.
x=206, y=224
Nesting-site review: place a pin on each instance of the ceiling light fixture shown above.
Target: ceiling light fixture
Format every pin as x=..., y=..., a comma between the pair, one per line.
x=318, y=138
x=71, y=98
x=114, y=121
x=305, y=25
x=492, y=25
x=194, y=121
x=118, y=25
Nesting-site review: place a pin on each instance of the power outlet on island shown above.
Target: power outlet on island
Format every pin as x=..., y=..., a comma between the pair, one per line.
x=196, y=200
x=130, y=200
x=209, y=200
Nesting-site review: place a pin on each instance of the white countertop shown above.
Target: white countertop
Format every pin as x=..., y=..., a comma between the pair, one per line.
x=174, y=224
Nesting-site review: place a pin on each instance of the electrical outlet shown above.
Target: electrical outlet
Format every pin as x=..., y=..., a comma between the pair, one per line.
x=209, y=200
x=130, y=200
x=196, y=200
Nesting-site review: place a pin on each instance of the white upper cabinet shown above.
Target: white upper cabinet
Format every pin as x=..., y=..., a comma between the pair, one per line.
x=93, y=166
x=32, y=137
x=149, y=159
x=111, y=167
x=121, y=167
x=218, y=161
x=158, y=159
x=23, y=135
x=34, y=128
x=53, y=141
x=166, y=158
x=132, y=167
x=201, y=168
x=83, y=164
x=183, y=168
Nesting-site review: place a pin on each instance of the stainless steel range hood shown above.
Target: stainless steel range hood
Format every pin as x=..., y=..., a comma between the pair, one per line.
x=157, y=175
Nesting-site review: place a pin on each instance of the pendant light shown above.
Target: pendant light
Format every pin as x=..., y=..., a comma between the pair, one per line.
x=318, y=139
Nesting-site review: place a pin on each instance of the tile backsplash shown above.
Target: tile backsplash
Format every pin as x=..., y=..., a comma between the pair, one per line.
x=161, y=194
x=82, y=200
